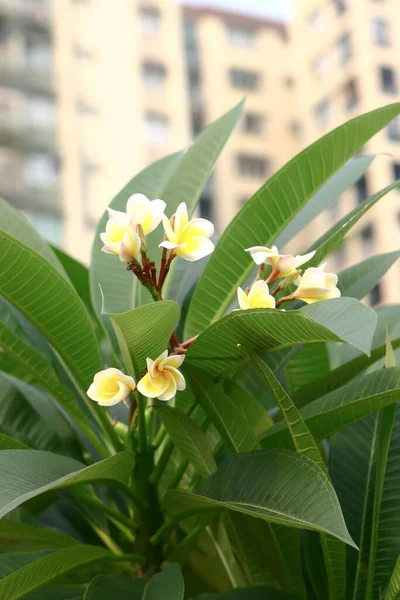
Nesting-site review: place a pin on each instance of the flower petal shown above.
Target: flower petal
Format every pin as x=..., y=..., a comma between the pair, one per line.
x=196, y=228
x=169, y=245
x=175, y=360
x=169, y=232
x=302, y=259
x=170, y=391
x=242, y=299
x=146, y=388
x=181, y=218
x=178, y=377
x=259, y=296
x=137, y=202
x=196, y=248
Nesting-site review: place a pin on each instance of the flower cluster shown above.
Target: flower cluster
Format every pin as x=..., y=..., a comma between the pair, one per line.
x=161, y=381
x=125, y=230
x=313, y=285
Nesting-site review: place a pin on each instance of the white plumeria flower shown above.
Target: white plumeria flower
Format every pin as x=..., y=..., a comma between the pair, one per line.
x=145, y=212
x=188, y=239
x=283, y=264
x=315, y=285
x=120, y=238
x=110, y=387
x=258, y=297
x=162, y=379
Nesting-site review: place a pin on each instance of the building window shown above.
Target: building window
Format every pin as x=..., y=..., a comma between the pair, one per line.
x=83, y=107
x=41, y=170
x=345, y=49
x=380, y=32
x=239, y=35
x=154, y=75
x=242, y=201
x=388, y=80
x=361, y=189
x=38, y=49
x=206, y=207
x=322, y=112
x=396, y=172
x=41, y=112
x=150, y=20
x=315, y=20
x=244, y=80
x=252, y=166
x=81, y=52
x=367, y=238
x=252, y=123
x=289, y=82
x=393, y=130
x=351, y=94
x=375, y=296
x=157, y=129
x=341, y=6
x=295, y=128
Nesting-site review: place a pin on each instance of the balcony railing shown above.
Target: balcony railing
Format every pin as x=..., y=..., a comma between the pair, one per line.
x=37, y=12
x=16, y=133
x=28, y=197
x=21, y=75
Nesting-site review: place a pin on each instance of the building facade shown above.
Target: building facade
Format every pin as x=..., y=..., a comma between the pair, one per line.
x=91, y=91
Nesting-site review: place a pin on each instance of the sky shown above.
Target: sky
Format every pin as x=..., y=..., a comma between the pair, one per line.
x=276, y=9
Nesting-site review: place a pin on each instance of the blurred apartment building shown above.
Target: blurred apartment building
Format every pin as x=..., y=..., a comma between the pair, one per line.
x=91, y=91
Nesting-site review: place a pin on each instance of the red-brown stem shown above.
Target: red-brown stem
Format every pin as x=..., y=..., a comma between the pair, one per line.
x=166, y=271
x=276, y=290
x=154, y=273
x=132, y=410
x=188, y=342
x=284, y=299
x=162, y=268
x=273, y=275
x=174, y=341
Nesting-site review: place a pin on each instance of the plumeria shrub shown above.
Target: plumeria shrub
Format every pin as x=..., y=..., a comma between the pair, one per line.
x=192, y=418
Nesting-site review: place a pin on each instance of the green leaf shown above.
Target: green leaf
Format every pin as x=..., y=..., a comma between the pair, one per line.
x=272, y=485
x=117, y=585
x=333, y=238
x=387, y=316
x=254, y=413
x=78, y=275
x=15, y=224
x=188, y=438
x=258, y=593
x=48, y=568
x=144, y=332
x=44, y=537
x=341, y=181
x=168, y=584
x=224, y=414
x=388, y=542
x=21, y=422
x=307, y=365
x=393, y=591
x=26, y=474
x=304, y=443
x=270, y=210
x=386, y=420
x=359, y=280
x=265, y=330
x=352, y=468
x=50, y=303
x=8, y=443
x=43, y=373
x=344, y=406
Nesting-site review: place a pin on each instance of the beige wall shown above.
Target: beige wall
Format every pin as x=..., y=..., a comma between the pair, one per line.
x=273, y=101
x=100, y=50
